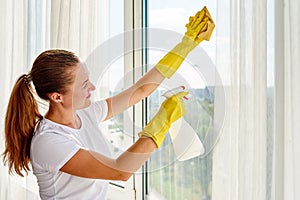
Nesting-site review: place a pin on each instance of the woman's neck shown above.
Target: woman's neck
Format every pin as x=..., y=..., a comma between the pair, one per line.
x=64, y=117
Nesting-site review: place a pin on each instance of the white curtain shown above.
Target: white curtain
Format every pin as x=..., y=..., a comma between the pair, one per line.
x=254, y=158
x=19, y=44
x=291, y=94
x=79, y=25
x=239, y=164
x=28, y=28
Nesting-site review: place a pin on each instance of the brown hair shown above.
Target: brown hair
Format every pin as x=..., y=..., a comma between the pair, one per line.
x=51, y=72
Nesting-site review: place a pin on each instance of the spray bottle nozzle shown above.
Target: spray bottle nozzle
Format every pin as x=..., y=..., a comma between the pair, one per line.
x=174, y=91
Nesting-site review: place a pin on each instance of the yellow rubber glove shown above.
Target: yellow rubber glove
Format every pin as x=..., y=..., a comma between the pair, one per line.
x=199, y=28
x=171, y=109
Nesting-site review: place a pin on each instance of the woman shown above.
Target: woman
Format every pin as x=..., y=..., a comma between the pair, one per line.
x=67, y=152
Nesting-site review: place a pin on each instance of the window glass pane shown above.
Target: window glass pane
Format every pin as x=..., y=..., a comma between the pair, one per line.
x=109, y=67
x=111, y=78
x=168, y=177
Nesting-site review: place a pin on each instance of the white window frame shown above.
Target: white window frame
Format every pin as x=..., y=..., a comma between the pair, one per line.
x=278, y=172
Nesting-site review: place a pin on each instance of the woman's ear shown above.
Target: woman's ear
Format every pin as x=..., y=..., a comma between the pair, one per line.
x=56, y=97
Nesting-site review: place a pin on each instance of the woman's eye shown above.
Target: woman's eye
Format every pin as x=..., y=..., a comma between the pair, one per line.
x=84, y=85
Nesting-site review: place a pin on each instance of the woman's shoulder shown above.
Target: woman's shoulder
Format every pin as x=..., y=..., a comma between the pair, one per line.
x=47, y=131
x=50, y=135
x=46, y=126
x=96, y=110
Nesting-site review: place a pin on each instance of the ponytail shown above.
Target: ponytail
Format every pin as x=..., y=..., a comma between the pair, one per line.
x=22, y=115
x=21, y=118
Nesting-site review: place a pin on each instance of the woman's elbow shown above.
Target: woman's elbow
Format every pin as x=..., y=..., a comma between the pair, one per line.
x=123, y=176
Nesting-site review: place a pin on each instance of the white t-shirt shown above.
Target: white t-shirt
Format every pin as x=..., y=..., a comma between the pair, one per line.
x=54, y=144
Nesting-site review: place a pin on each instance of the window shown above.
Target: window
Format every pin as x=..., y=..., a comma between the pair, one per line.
x=168, y=177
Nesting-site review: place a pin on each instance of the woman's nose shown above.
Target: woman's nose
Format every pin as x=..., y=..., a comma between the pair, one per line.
x=92, y=87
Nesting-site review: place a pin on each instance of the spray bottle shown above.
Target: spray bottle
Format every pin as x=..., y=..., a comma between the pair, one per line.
x=185, y=140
